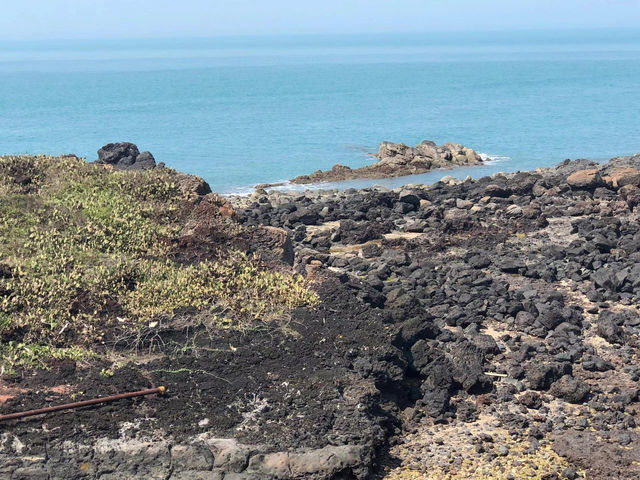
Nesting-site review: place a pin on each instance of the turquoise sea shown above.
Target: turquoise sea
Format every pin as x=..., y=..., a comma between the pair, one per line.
x=241, y=111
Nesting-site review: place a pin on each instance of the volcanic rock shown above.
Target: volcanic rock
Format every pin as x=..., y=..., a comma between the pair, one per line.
x=570, y=389
x=125, y=156
x=585, y=179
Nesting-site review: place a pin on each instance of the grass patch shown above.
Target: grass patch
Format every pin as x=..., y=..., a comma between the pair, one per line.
x=84, y=249
x=19, y=355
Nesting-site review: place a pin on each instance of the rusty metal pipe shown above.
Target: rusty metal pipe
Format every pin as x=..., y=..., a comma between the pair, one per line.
x=83, y=403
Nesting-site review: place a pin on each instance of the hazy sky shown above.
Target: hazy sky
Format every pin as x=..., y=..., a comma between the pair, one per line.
x=43, y=19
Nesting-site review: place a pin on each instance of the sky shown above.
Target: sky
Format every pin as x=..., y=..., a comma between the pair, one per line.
x=84, y=19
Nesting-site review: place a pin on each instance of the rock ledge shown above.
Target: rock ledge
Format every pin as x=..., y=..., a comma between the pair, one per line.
x=398, y=159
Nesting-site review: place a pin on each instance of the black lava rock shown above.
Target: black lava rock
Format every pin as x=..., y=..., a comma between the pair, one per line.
x=570, y=389
x=125, y=156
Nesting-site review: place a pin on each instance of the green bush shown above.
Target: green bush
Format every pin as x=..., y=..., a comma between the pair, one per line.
x=87, y=248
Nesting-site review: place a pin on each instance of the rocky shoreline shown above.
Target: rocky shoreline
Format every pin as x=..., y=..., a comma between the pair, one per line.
x=396, y=160
x=467, y=329
x=515, y=298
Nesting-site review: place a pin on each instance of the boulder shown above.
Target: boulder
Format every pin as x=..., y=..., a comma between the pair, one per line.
x=593, y=363
x=541, y=375
x=436, y=402
x=531, y=400
x=371, y=250
x=463, y=204
x=416, y=329
x=624, y=176
x=207, y=214
x=124, y=153
x=350, y=232
x=125, y=156
x=609, y=330
x=570, y=389
x=407, y=196
x=145, y=161
x=192, y=184
x=328, y=462
x=304, y=216
x=588, y=179
x=498, y=191
x=209, y=226
x=608, y=278
x=630, y=194
x=468, y=371
x=456, y=216
x=271, y=244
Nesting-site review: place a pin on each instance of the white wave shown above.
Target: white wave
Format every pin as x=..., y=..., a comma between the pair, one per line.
x=243, y=191
x=493, y=158
x=238, y=192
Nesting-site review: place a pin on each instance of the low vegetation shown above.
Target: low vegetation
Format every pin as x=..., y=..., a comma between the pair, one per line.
x=521, y=462
x=86, y=252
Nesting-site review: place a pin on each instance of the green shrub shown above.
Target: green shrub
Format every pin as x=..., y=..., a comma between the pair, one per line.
x=88, y=249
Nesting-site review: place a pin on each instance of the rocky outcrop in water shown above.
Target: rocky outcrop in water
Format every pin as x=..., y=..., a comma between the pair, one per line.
x=398, y=159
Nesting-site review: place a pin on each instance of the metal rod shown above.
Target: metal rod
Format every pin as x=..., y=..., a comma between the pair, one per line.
x=83, y=403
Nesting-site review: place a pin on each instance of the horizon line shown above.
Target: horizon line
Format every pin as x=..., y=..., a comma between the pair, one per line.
x=328, y=34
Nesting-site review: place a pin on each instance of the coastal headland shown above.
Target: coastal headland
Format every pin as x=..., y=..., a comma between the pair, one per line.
x=467, y=329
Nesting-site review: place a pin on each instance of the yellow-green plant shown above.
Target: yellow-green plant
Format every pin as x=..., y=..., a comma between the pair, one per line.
x=88, y=248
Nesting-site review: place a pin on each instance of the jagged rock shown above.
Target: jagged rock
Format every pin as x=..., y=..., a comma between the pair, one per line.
x=408, y=326
x=417, y=328
x=206, y=216
x=125, y=156
x=271, y=244
x=630, y=194
x=457, y=219
x=609, y=330
x=351, y=232
x=371, y=250
x=436, y=402
x=409, y=197
x=304, y=216
x=608, y=278
x=468, y=362
x=192, y=185
x=124, y=153
x=466, y=204
x=191, y=457
x=570, y=389
x=542, y=375
x=144, y=161
x=328, y=461
x=530, y=400
x=593, y=363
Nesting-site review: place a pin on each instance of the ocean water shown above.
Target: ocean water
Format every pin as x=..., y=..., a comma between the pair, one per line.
x=242, y=111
